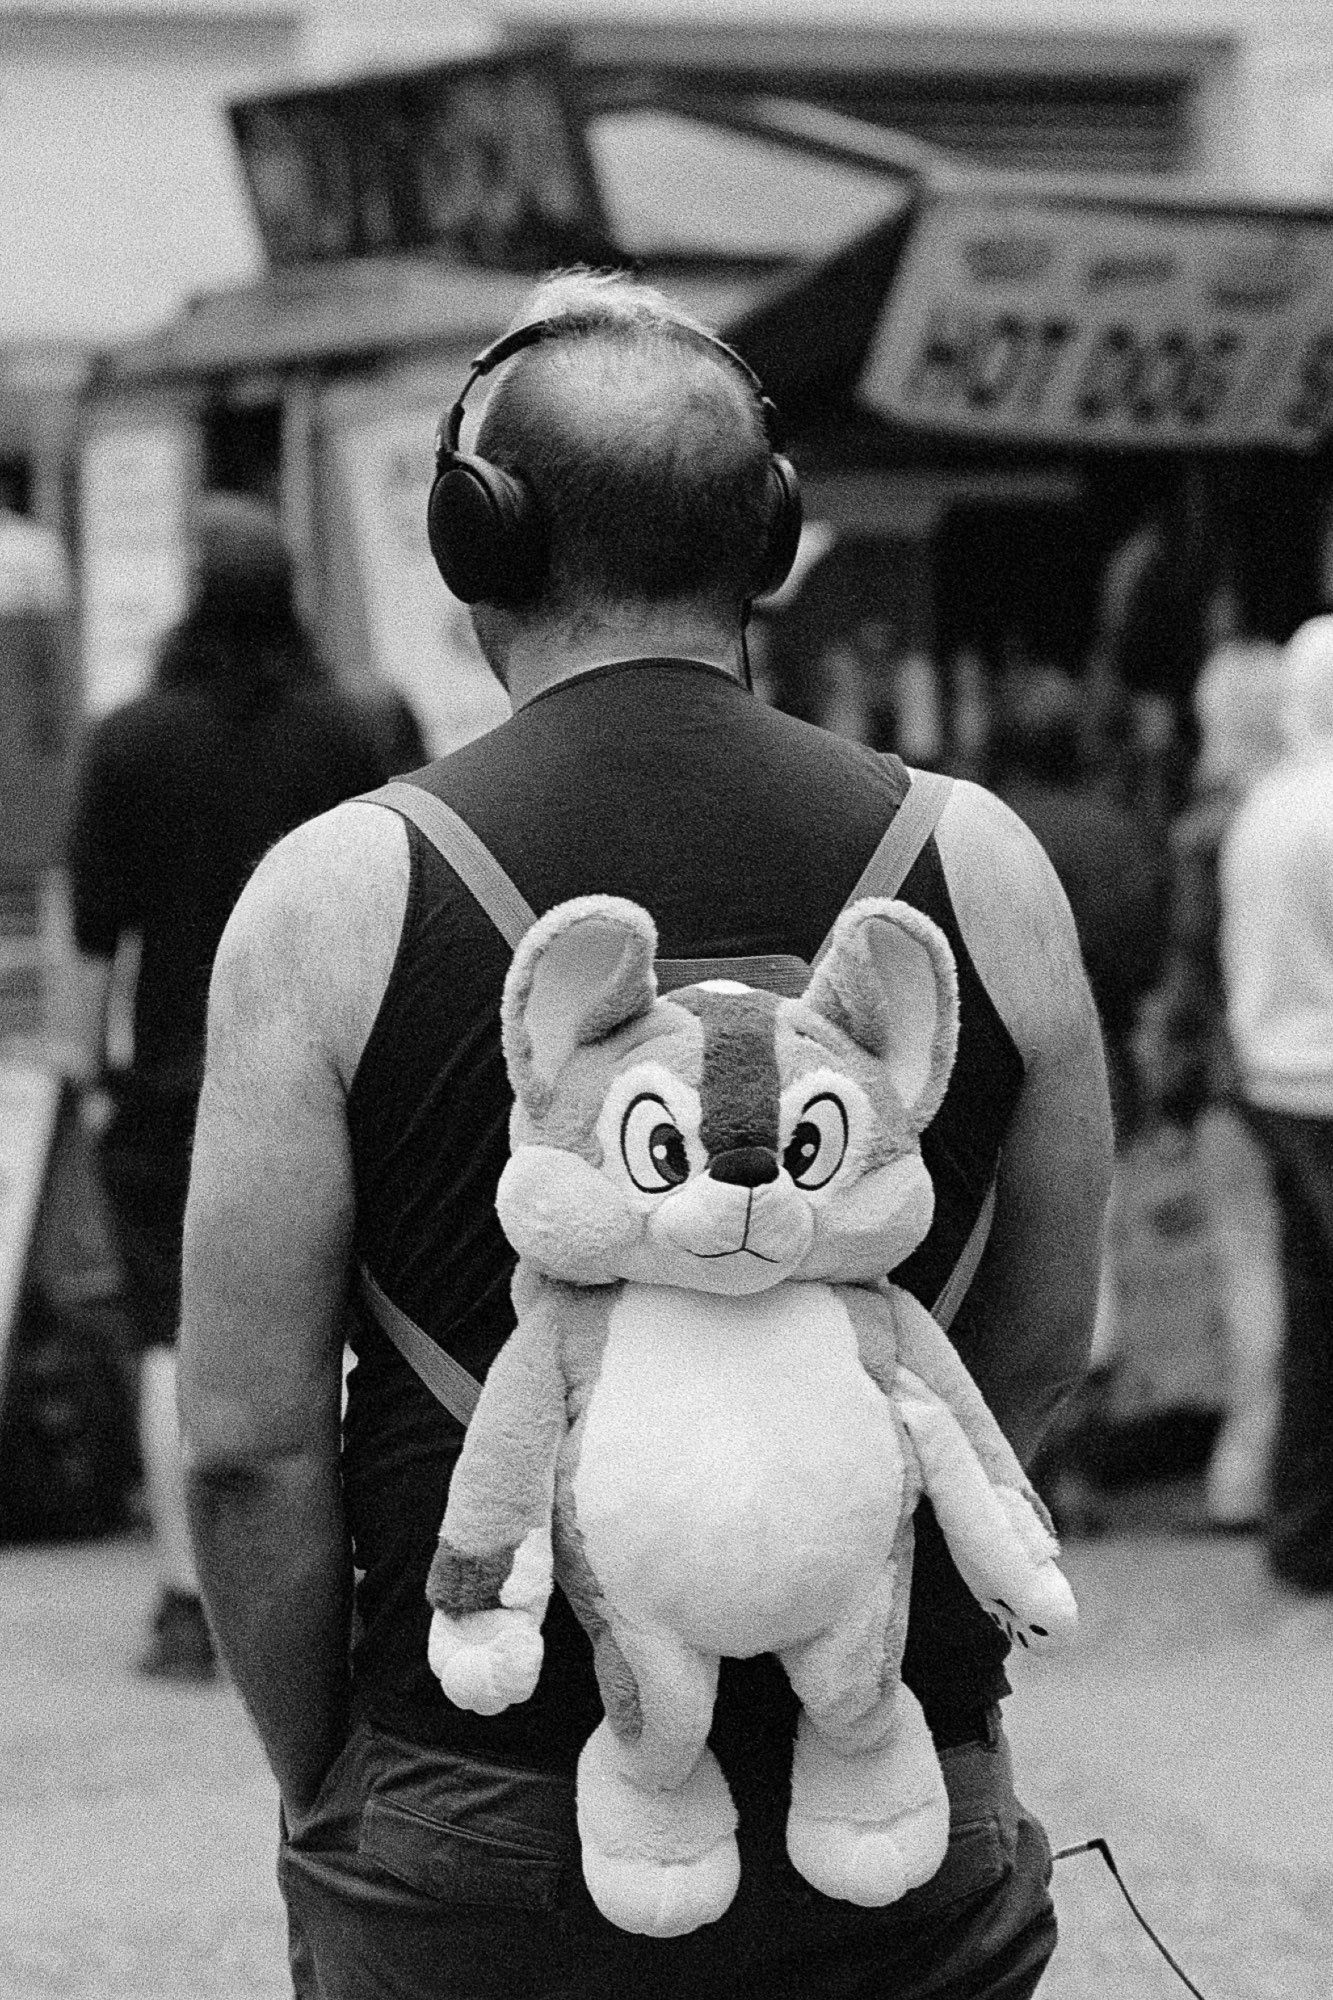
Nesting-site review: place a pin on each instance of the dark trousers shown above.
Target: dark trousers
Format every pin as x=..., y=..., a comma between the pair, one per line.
x=1300, y=1523
x=422, y=1875
x=145, y=1162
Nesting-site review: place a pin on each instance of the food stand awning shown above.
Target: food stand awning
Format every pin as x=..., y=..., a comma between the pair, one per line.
x=324, y=316
x=327, y=318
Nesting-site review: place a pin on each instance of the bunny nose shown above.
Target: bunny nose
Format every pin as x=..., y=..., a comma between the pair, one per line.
x=745, y=1166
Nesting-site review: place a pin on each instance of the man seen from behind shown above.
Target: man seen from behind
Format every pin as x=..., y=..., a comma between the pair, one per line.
x=355, y=1108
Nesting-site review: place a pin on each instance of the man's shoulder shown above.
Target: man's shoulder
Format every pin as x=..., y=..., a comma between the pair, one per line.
x=1015, y=918
x=316, y=929
x=982, y=833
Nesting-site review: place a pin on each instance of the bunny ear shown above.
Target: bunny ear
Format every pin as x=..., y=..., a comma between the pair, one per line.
x=889, y=981
x=584, y=970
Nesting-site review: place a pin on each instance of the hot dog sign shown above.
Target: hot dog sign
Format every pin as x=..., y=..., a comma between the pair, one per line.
x=1085, y=319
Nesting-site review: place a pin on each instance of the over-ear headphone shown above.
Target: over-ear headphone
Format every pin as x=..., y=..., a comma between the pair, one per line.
x=485, y=526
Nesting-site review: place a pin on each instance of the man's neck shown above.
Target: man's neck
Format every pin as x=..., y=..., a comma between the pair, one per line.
x=543, y=658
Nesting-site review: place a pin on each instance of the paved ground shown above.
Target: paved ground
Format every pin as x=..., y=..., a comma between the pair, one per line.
x=1193, y=1732
x=1191, y=1729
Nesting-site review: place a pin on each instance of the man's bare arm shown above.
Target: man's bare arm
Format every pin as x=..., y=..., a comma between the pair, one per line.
x=1026, y=1327
x=296, y=985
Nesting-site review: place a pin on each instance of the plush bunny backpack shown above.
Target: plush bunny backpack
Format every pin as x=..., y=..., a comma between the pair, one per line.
x=715, y=1415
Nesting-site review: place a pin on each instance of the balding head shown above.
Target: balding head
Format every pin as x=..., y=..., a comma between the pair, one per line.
x=1309, y=665
x=645, y=449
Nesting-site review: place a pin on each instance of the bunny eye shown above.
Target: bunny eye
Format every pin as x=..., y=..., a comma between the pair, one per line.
x=818, y=1145
x=652, y=1146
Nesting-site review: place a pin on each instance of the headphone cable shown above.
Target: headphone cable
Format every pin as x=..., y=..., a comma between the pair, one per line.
x=1102, y=1847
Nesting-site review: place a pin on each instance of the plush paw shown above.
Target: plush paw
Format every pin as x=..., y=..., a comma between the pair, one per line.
x=485, y=1660
x=1039, y=1613
x=1027, y=1524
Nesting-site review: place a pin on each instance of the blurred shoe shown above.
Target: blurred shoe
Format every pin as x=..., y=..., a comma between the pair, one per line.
x=181, y=1648
x=1301, y=1568
x=1076, y=1506
x=1236, y=1483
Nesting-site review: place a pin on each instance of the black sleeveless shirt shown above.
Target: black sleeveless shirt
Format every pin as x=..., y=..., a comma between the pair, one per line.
x=742, y=831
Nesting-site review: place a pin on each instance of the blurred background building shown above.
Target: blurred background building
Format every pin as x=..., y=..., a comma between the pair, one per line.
x=250, y=244
x=131, y=197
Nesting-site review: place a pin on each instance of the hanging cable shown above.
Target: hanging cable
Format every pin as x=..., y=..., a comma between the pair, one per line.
x=1102, y=1848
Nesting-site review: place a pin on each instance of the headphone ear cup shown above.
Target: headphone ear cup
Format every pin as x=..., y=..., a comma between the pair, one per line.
x=784, y=527
x=485, y=532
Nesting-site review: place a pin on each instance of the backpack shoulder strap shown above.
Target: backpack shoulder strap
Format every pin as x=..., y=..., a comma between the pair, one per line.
x=906, y=835
x=945, y=1309
x=457, y=1390
x=452, y=1385
x=513, y=916
x=449, y=1382
x=468, y=855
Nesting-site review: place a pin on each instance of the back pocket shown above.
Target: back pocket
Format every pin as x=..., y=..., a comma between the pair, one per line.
x=978, y=1859
x=462, y=1831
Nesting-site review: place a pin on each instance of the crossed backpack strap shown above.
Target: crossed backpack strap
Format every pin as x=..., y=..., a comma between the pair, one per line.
x=884, y=875
x=457, y=1390
x=945, y=1309
x=466, y=853
x=781, y=972
x=452, y=1385
x=906, y=835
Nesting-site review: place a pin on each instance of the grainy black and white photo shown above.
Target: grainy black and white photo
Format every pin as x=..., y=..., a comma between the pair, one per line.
x=666, y=1000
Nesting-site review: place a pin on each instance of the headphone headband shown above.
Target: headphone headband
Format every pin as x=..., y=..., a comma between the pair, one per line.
x=483, y=527
x=534, y=331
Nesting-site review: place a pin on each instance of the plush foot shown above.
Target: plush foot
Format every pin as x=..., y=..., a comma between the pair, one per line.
x=657, y=1862
x=868, y=1826
x=663, y=1899
x=869, y=1865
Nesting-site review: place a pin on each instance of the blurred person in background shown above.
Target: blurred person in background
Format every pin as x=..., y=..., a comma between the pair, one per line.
x=845, y=653
x=1112, y=872
x=181, y=792
x=34, y=610
x=1277, y=959
x=1189, y=1065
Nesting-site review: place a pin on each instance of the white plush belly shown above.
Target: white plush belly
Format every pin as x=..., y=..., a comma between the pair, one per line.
x=740, y=1478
